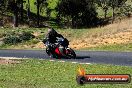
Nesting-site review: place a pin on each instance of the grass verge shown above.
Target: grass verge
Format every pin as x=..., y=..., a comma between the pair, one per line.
x=44, y=74
x=114, y=47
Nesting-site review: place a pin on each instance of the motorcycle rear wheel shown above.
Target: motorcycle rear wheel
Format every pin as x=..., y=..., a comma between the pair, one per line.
x=70, y=53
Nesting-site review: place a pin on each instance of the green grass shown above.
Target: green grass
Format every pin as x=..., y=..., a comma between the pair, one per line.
x=44, y=74
x=115, y=47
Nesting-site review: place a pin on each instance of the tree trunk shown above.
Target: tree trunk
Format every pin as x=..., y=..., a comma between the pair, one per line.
x=58, y=19
x=21, y=11
x=28, y=12
x=73, y=23
x=105, y=15
x=113, y=14
x=48, y=12
x=38, y=15
x=15, y=21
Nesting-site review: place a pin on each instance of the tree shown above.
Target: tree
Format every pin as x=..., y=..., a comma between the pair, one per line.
x=81, y=12
x=38, y=14
x=38, y=3
x=116, y=4
x=3, y=6
x=28, y=12
x=104, y=4
x=44, y=8
x=13, y=4
x=21, y=2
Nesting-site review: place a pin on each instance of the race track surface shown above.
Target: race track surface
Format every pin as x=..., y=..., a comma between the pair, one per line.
x=100, y=57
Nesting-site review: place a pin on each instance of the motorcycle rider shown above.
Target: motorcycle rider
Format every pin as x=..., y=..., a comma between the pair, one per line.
x=50, y=40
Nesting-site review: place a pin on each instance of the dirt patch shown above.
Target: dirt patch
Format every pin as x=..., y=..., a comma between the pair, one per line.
x=36, y=34
x=8, y=61
x=117, y=38
x=39, y=45
x=117, y=33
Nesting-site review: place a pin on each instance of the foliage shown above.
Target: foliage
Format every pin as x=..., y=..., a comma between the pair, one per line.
x=26, y=36
x=75, y=13
x=125, y=10
x=12, y=39
x=104, y=5
x=39, y=3
x=81, y=12
x=15, y=37
x=116, y=3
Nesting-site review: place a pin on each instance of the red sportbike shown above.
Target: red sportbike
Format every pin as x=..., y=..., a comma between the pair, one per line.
x=60, y=51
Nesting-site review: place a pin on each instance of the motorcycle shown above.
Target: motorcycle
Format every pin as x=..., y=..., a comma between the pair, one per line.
x=59, y=50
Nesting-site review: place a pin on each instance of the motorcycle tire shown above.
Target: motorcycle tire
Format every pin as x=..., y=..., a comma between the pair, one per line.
x=70, y=53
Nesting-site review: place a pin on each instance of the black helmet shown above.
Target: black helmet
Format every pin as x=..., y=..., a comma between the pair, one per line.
x=52, y=31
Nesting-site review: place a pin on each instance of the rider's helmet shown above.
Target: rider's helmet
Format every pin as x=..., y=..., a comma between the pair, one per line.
x=52, y=31
x=49, y=29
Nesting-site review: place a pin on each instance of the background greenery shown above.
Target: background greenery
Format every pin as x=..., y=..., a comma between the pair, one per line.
x=63, y=13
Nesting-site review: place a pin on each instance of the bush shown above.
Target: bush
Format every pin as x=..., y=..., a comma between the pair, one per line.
x=1, y=35
x=26, y=36
x=15, y=37
x=34, y=41
x=12, y=40
x=80, y=13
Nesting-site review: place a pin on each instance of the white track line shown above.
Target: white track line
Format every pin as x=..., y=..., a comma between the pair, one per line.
x=85, y=63
x=43, y=59
x=12, y=58
x=51, y=60
x=62, y=61
x=74, y=62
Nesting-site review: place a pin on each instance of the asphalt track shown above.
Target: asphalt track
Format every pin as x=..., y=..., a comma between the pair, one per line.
x=100, y=57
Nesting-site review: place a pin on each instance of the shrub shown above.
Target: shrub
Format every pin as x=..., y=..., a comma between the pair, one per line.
x=16, y=37
x=26, y=36
x=34, y=41
x=11, y=40
x=1, y=35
